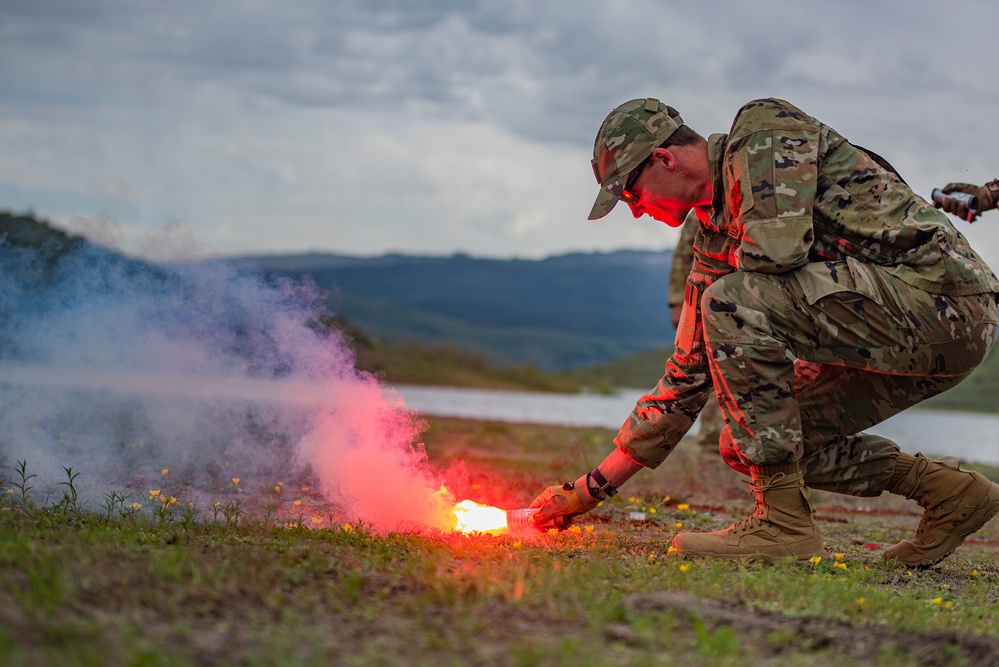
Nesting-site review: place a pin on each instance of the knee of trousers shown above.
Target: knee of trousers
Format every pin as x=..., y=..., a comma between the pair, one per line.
x=740, y=307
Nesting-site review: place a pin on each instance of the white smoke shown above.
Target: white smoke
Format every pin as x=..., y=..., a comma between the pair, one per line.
x=120, y=369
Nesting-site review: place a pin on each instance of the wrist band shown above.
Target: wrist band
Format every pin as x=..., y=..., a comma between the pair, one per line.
x=603, y=486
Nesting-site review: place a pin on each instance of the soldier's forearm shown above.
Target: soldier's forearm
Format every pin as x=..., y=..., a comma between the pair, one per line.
x=617, y=468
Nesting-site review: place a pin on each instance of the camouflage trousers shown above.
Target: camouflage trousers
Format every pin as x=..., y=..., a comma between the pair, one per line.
x=803, y=362
x=712, y=423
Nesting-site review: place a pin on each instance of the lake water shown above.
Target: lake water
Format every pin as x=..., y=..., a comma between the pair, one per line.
x=971, y=437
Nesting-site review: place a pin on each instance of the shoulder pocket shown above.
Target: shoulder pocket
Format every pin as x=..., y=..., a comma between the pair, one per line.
x=741, y=185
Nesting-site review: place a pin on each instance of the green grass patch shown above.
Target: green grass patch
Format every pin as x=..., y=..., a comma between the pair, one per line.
x=85, y=584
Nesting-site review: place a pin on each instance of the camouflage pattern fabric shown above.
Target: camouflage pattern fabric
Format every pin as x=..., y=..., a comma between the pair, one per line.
x=683, y=260
x=899, y=344
x=628, y=135
x=712, y=422
x=812, y=251
x=711, y=427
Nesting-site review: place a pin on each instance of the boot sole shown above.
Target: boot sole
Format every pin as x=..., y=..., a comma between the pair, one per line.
x=988, y=508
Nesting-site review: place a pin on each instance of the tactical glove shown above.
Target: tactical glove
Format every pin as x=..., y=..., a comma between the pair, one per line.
x=564, y=502
x=987, y=195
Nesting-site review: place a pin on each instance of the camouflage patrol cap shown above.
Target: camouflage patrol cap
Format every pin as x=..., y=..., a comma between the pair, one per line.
x=628, y=135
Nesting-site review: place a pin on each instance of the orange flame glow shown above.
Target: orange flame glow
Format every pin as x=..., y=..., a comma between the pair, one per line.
x=473, y=517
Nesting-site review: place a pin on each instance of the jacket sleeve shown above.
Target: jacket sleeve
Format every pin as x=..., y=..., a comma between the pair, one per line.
x=773, y=176
x=663, y=416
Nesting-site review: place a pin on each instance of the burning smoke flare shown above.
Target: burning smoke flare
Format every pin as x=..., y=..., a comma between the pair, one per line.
x=120, y=368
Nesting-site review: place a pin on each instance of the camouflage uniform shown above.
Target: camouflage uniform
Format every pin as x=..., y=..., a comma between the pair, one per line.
x=814, y=252
x=712, y=422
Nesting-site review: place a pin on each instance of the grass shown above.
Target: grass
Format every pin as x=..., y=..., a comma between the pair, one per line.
x=251, y=578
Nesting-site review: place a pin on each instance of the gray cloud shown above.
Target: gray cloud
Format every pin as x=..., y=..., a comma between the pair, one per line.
x=372, y=126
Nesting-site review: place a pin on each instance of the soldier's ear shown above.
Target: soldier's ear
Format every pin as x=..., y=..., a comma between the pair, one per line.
x=665, y=156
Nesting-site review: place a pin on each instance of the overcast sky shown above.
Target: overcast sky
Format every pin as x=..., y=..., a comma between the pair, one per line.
x=434, y=127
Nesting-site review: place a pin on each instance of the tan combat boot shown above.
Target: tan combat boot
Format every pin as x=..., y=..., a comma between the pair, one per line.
x=781, y=526
x=956, y=503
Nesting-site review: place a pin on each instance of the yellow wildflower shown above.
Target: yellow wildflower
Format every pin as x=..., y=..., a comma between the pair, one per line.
x=678, y=525
x=518, y=544
x=652, y=510
x=553, y=531
x=136, y=506
x=588, y=528
x=841, y=566
x=937, y=600
x=683, y=506
x=166, y=471
x=153, y=493
x=317, y=520
x=860, y=602
x=815, y=560
x=651, y=559
x=347, y=528
x=576, y=529
x=298, y=502
x=671, y=550
x=235, y=481
x=948, y=605
x=840, y=556
x=277, y=489
x=974, y=573
x=305, y=488
x=685, y=567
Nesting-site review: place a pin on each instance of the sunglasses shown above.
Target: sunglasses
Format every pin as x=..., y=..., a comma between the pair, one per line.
x=627, y=196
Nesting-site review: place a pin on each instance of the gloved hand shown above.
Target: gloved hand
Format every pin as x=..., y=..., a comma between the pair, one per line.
x=564, y=502
x=986, y=200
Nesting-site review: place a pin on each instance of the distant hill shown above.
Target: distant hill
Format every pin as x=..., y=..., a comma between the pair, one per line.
x=558, y=313
x=383, y=333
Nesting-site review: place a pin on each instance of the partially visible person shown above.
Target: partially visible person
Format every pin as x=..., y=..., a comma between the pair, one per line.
x=711, y=420
x=825, y=297
x=987, y=197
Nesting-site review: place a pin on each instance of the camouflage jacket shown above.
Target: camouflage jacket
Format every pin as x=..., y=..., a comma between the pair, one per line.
x=683, y=259
x=788, y=191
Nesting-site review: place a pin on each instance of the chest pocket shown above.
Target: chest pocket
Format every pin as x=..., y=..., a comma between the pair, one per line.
x=719, y=249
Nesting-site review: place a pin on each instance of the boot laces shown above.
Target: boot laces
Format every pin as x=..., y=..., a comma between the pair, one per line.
x=749, y=523
x=757, y=488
